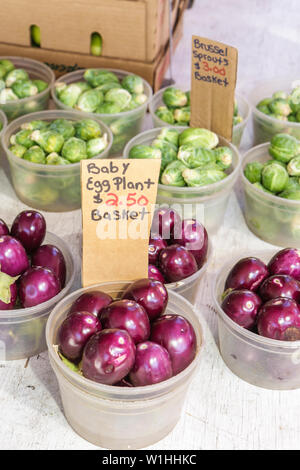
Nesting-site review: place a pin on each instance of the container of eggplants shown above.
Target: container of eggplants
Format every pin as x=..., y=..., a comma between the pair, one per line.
x=271, y=184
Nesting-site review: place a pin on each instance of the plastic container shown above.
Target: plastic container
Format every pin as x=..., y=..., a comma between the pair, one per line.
x=264, y=126
x=22, y=331
x=47, y=187
x=36, y=70
x=129, y=122
x=238, y=130
x=272, y=218
x=261, y=361
x=207, y=203
x=3, y=121
x=118, y=417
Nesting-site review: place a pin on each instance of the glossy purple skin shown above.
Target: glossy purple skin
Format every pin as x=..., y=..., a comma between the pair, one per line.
x=4, y=230
x=155, y=274
x=29, y=227
x=194, y=238
x=177, y=263
x=74, y=333
x=177, y=335
x=50, y=257
x=156, y=244
x=280, y=285
x=286, y=261
x=248, y=273
x=152, y=365
x=279, y=319
x=37, y=285
x=14, y=294
x=92, y=302
x=108, y=356
x=242, y=307
x=167, y=223
x=13, y=258
x=127, y=315
x=150, y=294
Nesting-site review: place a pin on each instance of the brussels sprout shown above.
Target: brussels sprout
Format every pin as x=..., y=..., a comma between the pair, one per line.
x=293, y=194
x=24, y=88
x=294, y=100
x=89, y=101
x=70, y=94
x=264, y=108
x=253, y=171
x=279, y=94
x=16, y=75
x=7, y=64
x=269, y=162
x=280, y=106
x=96, y=77
x=63, y=127
x=18, y=150
x=59, y=88
x=96, y=44
x=118, y=96
x=283, y=147
x=165, y=114
x=195, y=157
x=292, y=118
x=23, y=137
x=264, y=102
x=174, y=98
x=224, y=157
x=140, y=99
x=169, y=135
x=74, y=150
x=274, y=177
x=50, y=141
x=6, y=95
x=108, y=108
x=3, y=72
x=105, y=87
x=260, y=186
x=121, y=126
x=183, y=115
x=199, y=138
x=144, y=151
x=34, y=125
x=133, y=84
x=172, y=174
x=35, y=155
x=40, y=84
x=87, y=129
x=293, y=167
x=96, y=146
x=293, y=183
x=168, y=152
x=55, y=159
x=198, y=177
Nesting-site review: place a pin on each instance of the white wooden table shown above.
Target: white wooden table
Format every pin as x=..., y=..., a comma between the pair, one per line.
x=221, y=411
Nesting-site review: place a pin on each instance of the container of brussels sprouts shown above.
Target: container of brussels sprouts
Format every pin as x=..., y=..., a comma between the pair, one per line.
x=196, y=175
x=120, y=100
x=171, y=106
x=270, y=177
x=276, y=109
x=44, y=152
x=24, y=86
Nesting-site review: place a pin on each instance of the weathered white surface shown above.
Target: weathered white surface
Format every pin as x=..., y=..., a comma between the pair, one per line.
x=221, y=412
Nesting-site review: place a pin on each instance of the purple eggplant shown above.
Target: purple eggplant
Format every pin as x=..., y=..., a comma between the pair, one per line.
x=37, y=285
x=108, y=356
x=194, y=238
x=13, y=258
x=152, y=365
x=242, y=307
x=29, y=227
x=12, y=292
x=50, y=257
x=248, y=273
x=74, y=333
x=177, y=335
x=279, y=319
x=150, y=294
x=280, y=285
x=155, y=274
x=167, y=223
x=4, y=230
x=156, y=244
x=127, y=315
x=286, y=261
x=92, y=302
x=177, y=263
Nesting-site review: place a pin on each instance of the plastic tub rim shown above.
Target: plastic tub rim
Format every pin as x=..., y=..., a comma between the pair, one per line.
x=4, y=121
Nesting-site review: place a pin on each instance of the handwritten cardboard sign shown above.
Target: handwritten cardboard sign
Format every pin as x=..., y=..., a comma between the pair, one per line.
x=118, y=198
x=214, y=71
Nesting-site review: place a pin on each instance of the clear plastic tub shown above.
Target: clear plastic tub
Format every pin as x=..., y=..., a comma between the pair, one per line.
x=118, y=417
x=264, y=126
x=208, y=203
x=47, y=187
x=36, y=70
x=273, y=219
x=3, y=121
x=238, y=130
x=124, y=125
x=261, y=361
x=22, y=331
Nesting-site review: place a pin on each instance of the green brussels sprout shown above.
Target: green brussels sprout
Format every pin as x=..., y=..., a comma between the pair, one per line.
x=253, y=171
x=198, y=177
x=294, y=100
x=263, y=108
x=144, y=151
x=118, y=96
x=121, y=126
x=132, y=104
x=34, y=125
x=237, y=120
x=293, y=194
x=50, y=141
x=108, y=108
x=7, y=64
x=96, y=44
x=140, y=99
x=224, y=157
x=55, y=159
x=174, y=98
x=3, y=72
x=172, y=174
x=40, y=84
x=18, y=150
x=280, y=107
x=274, y=177
x=70, y=94
x=96, y=146
x=169, y=135
x=293, y=183
x=269, y=162
x=279, y=94
x=23, y=137
x=74, y=150
x=293, y=166
x=183, y=115
x=96, y=77
x=59, y=88
x=133, y=84
x=165, y=114
x=292, y=118
x=63, y=127
x=199, y=138
x=260, y=186
x=168, y=152
x=264, y=102
x=24, y=88
x=283, y=147
x=89, y=101
x=7, y=95
x=105, y=87
x=35, y=155
x=14, y=76
x=195, y=157
x=87, y=129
